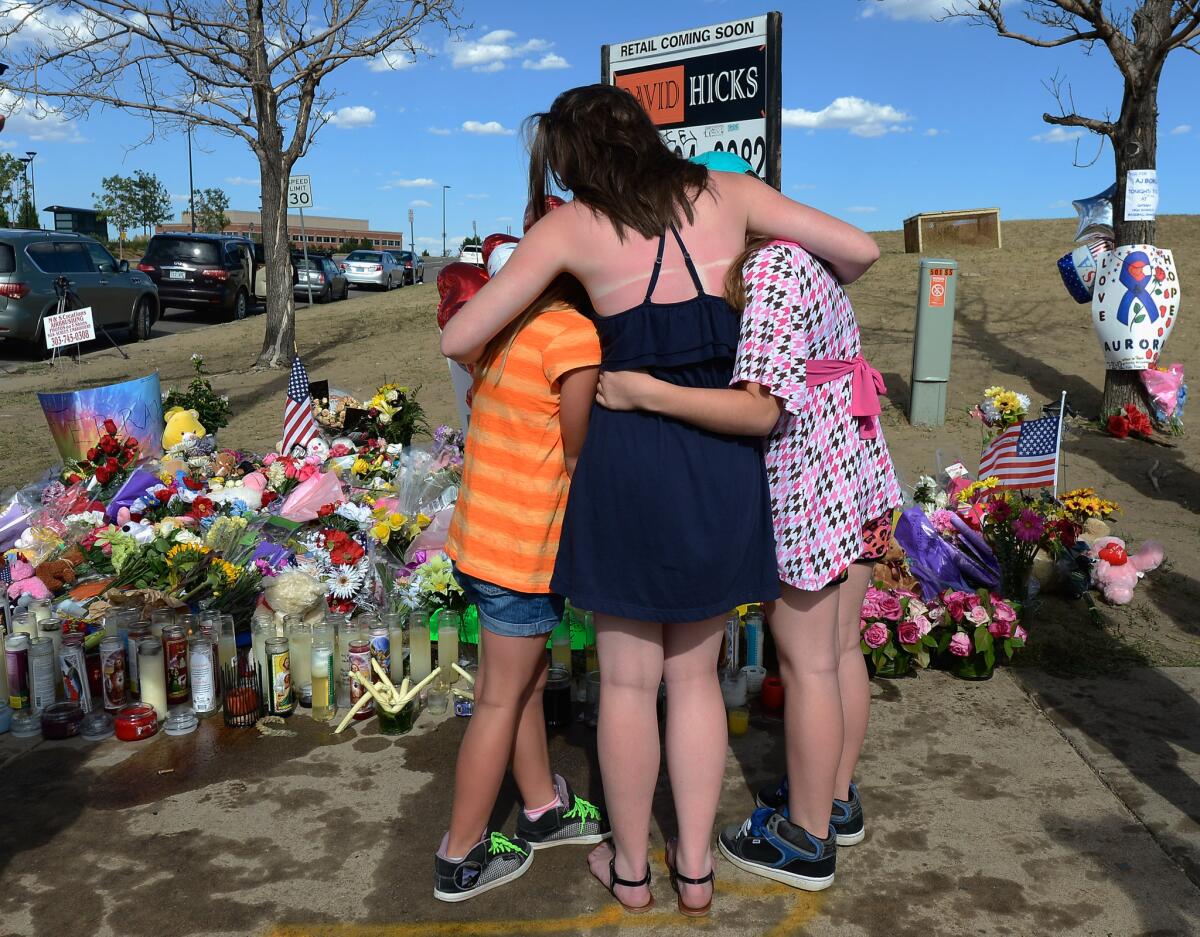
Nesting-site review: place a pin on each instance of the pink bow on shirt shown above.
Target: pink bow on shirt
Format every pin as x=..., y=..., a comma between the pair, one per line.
x=866, y=384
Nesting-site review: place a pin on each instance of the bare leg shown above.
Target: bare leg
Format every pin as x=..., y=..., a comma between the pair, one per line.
x=531, y=756
x=853, y=681
x=631, y=666
x=510, y=668
x=697, y=736
x=805, y=626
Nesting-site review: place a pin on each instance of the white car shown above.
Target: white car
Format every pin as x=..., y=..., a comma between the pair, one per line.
x=372, y=268
x=472, y=254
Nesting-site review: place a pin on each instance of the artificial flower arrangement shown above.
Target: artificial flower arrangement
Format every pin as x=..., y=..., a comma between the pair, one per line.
x=212, y=409
x=897, y=630
x=972, y=627
x=1000, y=408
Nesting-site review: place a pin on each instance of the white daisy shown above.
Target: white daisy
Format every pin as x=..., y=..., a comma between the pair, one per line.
x=346, y=582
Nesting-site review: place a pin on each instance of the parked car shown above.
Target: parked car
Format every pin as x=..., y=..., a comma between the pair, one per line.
x=328, y=282
x=260, y=274
x=372, y=268
x=206, y=272
x=412, y=264
x=472, y=254
x=30, y=262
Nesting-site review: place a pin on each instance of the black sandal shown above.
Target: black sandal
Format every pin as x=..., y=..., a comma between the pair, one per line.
x=677, y=877
x=613, y=882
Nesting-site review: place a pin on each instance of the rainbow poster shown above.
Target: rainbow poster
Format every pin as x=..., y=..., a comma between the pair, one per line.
x=76, y=418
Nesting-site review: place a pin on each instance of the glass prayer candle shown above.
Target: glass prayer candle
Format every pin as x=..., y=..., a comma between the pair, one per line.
x=396, y=643
x=448, y=625
x=420, y=655
x=152, y=676
x=264, y=629
x=226, y=642
x=299, y=635
x=739, y=720
x=160, y=618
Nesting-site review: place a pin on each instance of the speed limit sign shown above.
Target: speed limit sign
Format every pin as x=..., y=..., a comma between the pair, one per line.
x=299, y=192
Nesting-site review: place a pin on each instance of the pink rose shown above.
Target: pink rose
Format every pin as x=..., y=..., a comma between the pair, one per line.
x=1002, y=611
x=972, y=600
x=978, y=615
x=1000, y=629
x=889, y=607
x=863, y=625
x=876, y=636
x=924, y=626
x=269, y=459
x=1020, y=633
x=307, y=471
x=956, y=604
x=960, y=645
x=870, y=606
x=908, y=632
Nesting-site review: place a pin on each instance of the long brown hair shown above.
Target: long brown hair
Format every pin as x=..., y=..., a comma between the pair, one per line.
x=564, y=290
x=735, y=279
x=598, y=143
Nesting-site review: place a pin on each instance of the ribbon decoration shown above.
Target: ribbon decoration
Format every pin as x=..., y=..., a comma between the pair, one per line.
x=866, y=384
x=1135, y=276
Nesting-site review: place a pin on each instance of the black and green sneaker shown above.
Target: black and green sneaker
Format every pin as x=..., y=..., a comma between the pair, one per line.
x=491, y=863
x=573, y=821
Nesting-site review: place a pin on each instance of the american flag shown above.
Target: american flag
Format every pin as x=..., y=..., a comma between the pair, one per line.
x=299, y=425
x=1025, y=455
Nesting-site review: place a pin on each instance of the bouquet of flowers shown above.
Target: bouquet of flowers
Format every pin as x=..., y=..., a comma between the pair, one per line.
x=212, y=409
x=1000, y=408
x=929, y=495
x=375, y=464
x=973, y=626
x=1083, y=504
x=1128, y=421
x=944, y=552
x=1168, y=394
x=897, y=630
x=395, y=415
x=1017, y=525
x=107, y=463
x=428, y=584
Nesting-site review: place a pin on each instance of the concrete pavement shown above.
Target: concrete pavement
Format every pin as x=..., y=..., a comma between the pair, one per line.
x=982, y=819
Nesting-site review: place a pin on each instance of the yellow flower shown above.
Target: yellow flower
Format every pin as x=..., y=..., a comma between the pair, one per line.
x=185, y=553
x=381, y=532
x=360, y=466
x=993, y=391
x=397, y=521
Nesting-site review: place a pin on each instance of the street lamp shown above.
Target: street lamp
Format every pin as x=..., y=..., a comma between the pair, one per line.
x=191, y=184
x=444, y=188
x=33, y=188
x=26, y=160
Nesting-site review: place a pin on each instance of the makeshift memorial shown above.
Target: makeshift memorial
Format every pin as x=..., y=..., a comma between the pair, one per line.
x=971, y=627
x=944, y=552
x=1117, y=571
x=896, y=628
x=1135, y=305
x=75, y=417
x=1000, y=408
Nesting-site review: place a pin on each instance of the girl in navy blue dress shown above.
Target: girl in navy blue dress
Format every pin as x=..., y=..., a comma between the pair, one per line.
x=668, y=525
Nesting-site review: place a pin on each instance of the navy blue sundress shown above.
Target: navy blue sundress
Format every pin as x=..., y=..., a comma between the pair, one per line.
x=665, y=521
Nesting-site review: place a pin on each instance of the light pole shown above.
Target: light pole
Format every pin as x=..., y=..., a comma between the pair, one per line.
x=25, y=196
x=444, y=188
x=412, y=241
x=191, y=184
x=33, y=188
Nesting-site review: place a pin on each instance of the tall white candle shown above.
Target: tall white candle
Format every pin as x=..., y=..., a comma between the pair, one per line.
x=420, y=655
x=152, y=676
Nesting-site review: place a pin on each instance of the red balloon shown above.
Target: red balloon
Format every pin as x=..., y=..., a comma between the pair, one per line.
x=457, y=283
x=552, y=202
x=492, y=241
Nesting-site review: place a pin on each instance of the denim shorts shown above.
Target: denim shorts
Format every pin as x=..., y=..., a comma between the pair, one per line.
x=512, y=614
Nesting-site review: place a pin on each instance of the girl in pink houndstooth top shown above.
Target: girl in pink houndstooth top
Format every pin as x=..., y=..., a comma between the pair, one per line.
x=801, y=380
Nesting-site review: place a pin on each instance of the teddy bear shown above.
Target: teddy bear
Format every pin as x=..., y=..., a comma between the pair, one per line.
x=59, y=573
x=25, y=586
x=180, y=422
x=1117, y=571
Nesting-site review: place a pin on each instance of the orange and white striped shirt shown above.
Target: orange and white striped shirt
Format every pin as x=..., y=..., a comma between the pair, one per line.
x=510, y=507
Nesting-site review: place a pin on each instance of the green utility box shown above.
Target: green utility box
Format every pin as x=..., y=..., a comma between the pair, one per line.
x=932, y=341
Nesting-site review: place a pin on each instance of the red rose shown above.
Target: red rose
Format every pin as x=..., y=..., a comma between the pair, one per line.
x=1118, y=426
x=93, y=454
x=192, y=484
x=325, y=510
x=164, y=494
x=1066, y=533
x=130, y=442
x=110, y=427
x=103, y=475
x=74, y=478
x=111, y=464
x=268, y=497
x=109, y=445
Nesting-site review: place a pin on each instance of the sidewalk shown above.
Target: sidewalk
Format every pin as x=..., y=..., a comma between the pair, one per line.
x=982, y=819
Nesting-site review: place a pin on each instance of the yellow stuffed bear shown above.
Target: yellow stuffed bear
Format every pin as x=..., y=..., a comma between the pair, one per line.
x=180, y=421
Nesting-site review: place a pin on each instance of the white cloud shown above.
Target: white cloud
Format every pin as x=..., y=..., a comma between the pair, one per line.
x=395, y=60
x=487, y=128
x=37, y=121
x=907, y=9
x=934, y=132
x=352, y=117
x=440, y=131
x=179, y=199
x=861, y=117
x=493, y=51
x=547, y=61
x=504, y=218
x=419, y=203
x=242, y=180
x=1058, y=135
x=862, y=209
x=1181, y=129
x=421, y=183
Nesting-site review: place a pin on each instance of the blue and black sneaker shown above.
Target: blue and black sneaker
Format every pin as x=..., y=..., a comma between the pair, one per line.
x=491, y=863
x=847, y=815
x=769, y=845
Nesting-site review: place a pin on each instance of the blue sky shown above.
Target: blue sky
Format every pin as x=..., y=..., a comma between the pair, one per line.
x=886, y=113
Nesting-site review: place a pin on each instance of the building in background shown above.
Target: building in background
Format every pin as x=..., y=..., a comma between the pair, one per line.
x=321, y=231
x=79, y=220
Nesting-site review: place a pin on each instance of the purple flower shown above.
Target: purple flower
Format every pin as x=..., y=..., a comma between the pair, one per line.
x=960, y=645
x=1029, y=527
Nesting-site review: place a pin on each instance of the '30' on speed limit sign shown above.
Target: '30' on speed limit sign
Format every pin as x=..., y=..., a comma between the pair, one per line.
x=299, y=192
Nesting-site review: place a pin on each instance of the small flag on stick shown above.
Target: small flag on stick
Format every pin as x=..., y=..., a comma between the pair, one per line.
x=1025, y=455
x=299, y=425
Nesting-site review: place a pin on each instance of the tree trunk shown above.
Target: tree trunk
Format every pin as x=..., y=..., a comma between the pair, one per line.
x=1135, y=147
x=279, y=342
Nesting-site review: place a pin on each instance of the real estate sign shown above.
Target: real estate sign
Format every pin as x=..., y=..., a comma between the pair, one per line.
x=709, y=88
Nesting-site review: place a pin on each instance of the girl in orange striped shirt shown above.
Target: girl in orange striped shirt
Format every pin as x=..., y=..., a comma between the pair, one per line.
x=533, y=392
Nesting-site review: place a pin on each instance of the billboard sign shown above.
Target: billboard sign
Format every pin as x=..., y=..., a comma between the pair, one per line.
x=709, y=88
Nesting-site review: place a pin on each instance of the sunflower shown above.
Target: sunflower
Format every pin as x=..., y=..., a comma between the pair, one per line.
x=183, y=553
x=227, y=569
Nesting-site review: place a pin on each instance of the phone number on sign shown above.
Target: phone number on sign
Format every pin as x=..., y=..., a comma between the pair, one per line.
x=752, y=149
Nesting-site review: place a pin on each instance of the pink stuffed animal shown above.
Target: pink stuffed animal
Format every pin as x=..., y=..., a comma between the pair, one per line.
x=1117, y=572
x=25, y=583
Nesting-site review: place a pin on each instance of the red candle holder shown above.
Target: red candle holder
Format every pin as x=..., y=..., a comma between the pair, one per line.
x=771, y=695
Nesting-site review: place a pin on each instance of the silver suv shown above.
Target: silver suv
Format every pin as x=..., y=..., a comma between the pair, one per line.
x=30, y=262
